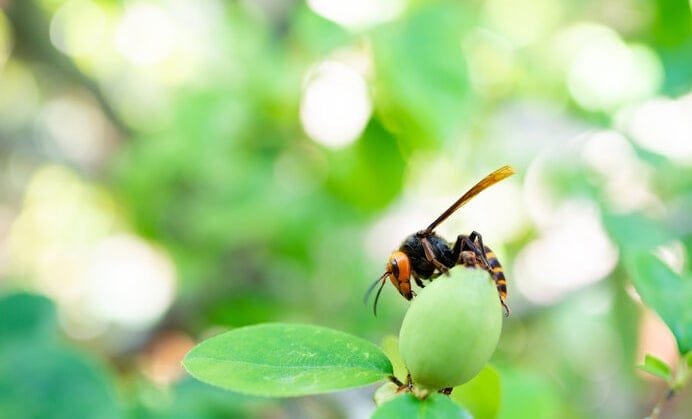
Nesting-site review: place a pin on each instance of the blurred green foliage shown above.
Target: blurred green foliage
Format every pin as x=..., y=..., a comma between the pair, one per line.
x=481, y=395
x=181, y=125
x=40, y=376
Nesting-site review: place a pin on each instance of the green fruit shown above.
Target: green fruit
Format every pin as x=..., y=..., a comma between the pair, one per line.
x=451, y=329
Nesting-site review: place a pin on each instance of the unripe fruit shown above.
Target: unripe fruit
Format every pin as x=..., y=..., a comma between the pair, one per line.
x=451, y=329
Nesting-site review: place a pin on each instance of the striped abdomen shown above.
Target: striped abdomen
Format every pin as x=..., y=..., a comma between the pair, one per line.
x=497, y=273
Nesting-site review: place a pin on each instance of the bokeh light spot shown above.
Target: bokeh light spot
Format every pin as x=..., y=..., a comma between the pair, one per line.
x=523, y=21
x=68, y=242
x=19, y=95
x=336, y=105
x=605, y=73
x=129, y=282
x=357, y=14
x=146, y=35
x=627, y=179
x=78, y=128
x=573, y=253
x=663, y=126
x=498, y=213
x=78, y=27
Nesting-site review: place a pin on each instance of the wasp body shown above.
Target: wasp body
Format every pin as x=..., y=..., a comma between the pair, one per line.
x=425, y=255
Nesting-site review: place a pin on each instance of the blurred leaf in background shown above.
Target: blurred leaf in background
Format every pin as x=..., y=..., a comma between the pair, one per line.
x=39, y=376
x=173, y=169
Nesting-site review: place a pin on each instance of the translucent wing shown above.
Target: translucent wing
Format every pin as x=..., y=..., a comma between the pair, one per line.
x=496, y=176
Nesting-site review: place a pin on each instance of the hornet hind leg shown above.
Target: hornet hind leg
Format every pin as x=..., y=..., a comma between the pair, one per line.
x=470, y=250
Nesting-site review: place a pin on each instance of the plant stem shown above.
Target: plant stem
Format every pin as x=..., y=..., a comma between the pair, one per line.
x=676, y=383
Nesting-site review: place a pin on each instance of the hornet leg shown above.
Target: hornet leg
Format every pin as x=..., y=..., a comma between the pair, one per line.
x=427, y=248
x=474, y=243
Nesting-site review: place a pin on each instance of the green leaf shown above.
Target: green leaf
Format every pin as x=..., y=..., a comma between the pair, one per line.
x=42, y=377
x=434, y=406
x=43, y=380
x=635, y=233
x=665, y=292
x=655, y=366
x=481, y=395
x=26, y=316
x=283, y=360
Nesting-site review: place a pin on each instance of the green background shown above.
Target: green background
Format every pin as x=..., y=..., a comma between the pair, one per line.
x=162, y=181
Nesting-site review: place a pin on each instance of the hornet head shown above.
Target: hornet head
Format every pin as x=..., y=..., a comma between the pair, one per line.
x=399, y=273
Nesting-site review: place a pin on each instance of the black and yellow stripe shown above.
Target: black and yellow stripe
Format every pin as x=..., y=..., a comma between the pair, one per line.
x=497, y=273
